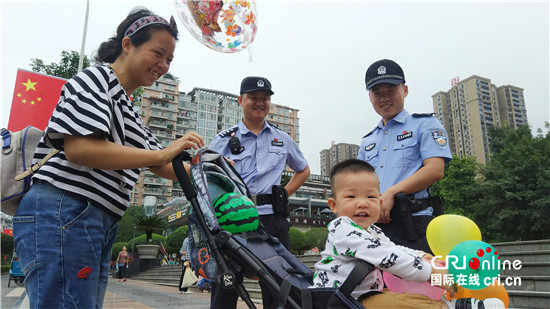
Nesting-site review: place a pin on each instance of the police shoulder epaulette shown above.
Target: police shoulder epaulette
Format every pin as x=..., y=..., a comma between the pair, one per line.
x=416, y=115
x=273, y=125
x=228, y=131
x=370, y=132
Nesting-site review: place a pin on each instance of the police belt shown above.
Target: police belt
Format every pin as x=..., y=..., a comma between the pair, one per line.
x=420, y=204
x=262, y=199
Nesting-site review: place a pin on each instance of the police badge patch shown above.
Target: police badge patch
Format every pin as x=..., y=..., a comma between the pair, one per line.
x=439, y=136
x=405, y=135
x=370, y=147
x=276, y=142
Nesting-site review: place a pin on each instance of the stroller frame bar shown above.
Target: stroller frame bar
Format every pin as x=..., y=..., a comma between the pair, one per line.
x=229, y=278
x=272, y=264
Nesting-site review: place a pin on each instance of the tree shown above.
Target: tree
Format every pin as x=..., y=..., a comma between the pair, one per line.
x=516, y=181
x=458, y=188
x=175, y=239
x=170, y=76
x=285, y=179
x=7, y=247
x=150, y=225
x=126, y=225
x=317, y=238
x=137, y=95
x=66, y=68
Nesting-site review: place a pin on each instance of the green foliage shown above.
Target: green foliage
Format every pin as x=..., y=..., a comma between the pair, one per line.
x=150, y=225
x=170, y=76
x=285, y=179
x=316, y=238
x=175, y=240
x=508, y=196
x=137, y=95
x=7, y=248
x=126, y=225
x=515, y=186
x=459, y=187
x=142, y=240
x=117, y=247
x=66, y=68
x=6, y=268
x=297, y=241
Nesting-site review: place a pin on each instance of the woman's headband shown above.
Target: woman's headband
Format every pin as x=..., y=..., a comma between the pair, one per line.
x=146, y=21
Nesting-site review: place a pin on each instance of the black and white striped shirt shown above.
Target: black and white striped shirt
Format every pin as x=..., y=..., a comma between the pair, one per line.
x=94, y=101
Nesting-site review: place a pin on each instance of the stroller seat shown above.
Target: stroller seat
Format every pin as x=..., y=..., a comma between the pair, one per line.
x=225, y=258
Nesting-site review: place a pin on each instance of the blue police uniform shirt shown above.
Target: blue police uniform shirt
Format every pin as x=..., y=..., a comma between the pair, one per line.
x=397, y=150
x=263, y=159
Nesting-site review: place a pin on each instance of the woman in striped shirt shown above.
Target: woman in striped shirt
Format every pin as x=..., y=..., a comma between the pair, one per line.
x=66, y=224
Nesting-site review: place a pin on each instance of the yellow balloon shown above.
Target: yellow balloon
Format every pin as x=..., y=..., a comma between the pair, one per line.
x=446, y=231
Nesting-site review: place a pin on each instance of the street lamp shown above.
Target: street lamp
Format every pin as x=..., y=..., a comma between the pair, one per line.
x=134, y=239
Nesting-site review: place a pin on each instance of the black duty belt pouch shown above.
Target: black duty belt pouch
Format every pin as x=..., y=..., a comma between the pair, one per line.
x=280, y=201
x=402, y=211
x=435, y=201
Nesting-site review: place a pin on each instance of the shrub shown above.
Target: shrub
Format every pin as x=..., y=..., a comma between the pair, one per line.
x=6, y=268
x=297, y=241
x=175, y=240
x=142, y=240
x=317, y=238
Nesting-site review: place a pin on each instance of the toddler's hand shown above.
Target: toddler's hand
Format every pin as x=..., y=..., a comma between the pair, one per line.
x=441, y=272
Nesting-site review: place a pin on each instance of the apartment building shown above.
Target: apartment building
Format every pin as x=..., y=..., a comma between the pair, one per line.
x=470, y=107
x=286, y=119
x=336, y=154
x=159, y=110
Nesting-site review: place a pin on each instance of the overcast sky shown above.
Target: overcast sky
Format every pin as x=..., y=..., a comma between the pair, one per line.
x=316, y=53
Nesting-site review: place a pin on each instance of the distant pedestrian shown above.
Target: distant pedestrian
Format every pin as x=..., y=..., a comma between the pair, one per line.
x=122, y=262
x=184, y=252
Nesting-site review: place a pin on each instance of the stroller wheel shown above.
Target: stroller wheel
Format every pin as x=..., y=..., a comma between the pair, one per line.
x=19, y=281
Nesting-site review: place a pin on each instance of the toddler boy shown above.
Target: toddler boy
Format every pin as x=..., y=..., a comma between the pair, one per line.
x=356, y=201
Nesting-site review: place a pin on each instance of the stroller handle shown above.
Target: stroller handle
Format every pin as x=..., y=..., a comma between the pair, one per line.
x=181, y=174
x=230, y=279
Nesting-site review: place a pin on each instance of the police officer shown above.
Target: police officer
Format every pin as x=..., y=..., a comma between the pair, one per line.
x=260, y=152
x=409, y=153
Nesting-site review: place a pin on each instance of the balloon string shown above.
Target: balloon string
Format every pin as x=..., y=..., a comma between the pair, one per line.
x=250, y=56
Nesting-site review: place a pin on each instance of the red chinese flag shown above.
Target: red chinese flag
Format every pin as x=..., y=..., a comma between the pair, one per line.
x=34, y=98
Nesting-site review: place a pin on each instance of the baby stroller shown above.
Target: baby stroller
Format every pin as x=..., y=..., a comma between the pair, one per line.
x=221, y=256
x=16, y=274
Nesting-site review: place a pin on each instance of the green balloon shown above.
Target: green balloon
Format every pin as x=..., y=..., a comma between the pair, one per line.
x=474, y=264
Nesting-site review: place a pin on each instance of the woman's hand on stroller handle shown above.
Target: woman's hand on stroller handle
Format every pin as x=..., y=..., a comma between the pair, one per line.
x=230, y=161
x=190, y=140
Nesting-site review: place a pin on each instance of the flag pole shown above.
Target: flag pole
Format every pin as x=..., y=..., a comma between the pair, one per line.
x=81, y=58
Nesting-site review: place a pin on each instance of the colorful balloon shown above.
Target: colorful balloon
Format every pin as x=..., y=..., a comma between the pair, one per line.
x=474, y=265
x=398, y=285
x=224, y=26
x=446, y=231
